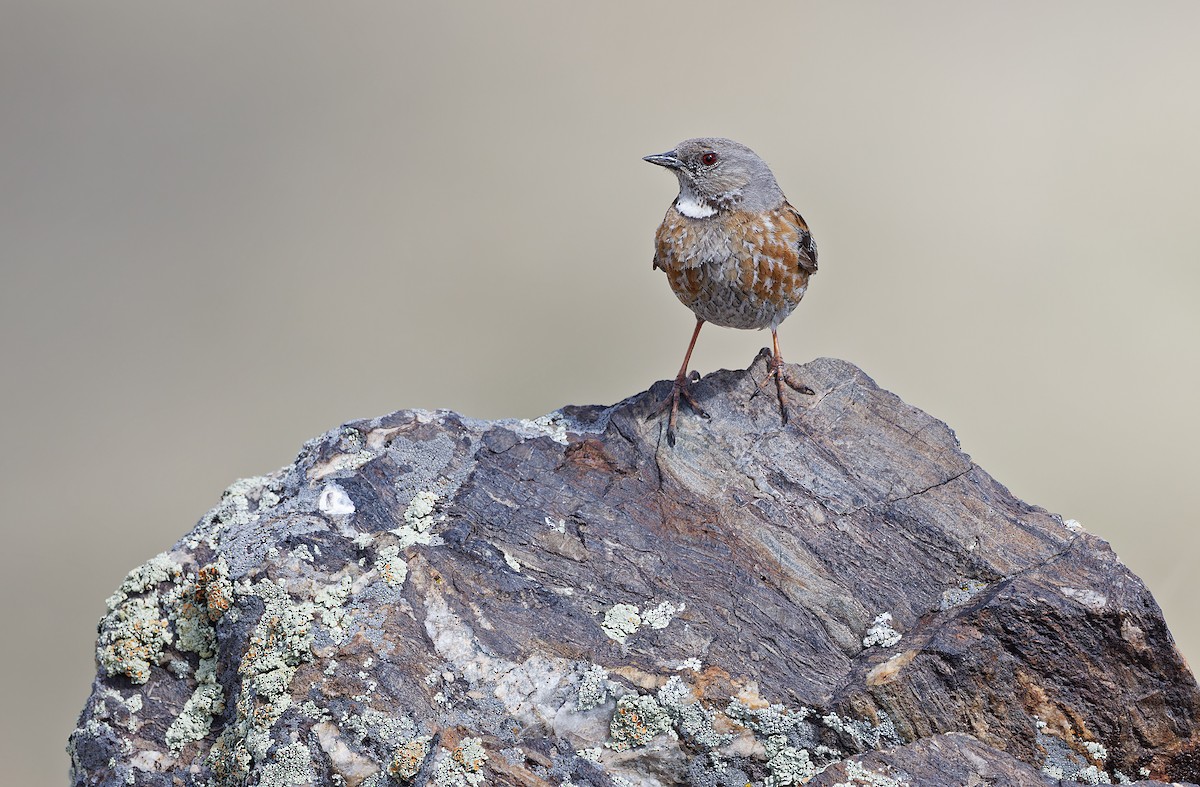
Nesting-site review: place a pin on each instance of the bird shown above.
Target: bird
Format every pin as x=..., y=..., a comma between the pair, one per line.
x=734, y=251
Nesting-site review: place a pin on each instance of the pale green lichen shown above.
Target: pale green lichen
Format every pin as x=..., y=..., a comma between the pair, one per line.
x=637, y=719
x=158, y=569
x=690, y=717
x=331, y=604
x=419, y=511
x=418, y=519
x=621, y=621
x=194, y=722
x=787, y=764
x=863, y=734
x=390, y=730
x=281, y=641
x=199, y=604
x=593, y=688
x=770, y=720
x=391, y=566
x=134, y=632
x=462, y=767
x=291, y=764
x=238, y=508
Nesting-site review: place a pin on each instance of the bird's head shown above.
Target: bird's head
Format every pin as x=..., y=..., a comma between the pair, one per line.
x=716, y=174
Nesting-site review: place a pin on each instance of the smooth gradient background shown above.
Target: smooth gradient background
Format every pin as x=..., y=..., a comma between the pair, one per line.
x=227, y=227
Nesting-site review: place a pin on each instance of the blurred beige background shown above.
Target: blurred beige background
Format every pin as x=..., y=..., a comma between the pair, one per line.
x=226, y=227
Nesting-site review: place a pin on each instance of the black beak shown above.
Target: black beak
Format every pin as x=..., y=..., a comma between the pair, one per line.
x=670, y=160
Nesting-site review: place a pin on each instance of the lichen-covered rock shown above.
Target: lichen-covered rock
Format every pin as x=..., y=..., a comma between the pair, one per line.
x=428, y=599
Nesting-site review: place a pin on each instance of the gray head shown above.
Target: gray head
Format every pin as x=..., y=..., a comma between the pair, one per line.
x=716, y=174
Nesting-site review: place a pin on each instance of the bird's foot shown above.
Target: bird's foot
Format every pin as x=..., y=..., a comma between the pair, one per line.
x=679, y=391
x=777, y=369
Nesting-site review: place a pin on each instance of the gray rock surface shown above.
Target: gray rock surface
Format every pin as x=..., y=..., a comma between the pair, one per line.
x=428, y=599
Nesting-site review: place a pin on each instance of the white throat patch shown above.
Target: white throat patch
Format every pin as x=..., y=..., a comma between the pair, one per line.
x=693, y=207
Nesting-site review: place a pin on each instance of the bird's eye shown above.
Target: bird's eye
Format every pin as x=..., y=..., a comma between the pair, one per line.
x=709, y=158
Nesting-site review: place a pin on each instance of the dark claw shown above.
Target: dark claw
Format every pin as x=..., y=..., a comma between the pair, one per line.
x=696, y=408
x=670, y=405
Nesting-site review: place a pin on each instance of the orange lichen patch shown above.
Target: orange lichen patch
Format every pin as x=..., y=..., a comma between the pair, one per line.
x=467, y=759
x=407, y=759
x=212, y=590
x=390, y=573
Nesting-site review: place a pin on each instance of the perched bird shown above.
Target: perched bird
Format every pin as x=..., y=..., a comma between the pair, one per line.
x=734, y=251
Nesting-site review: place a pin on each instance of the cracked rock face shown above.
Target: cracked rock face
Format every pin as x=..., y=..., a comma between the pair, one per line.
x=428, y=599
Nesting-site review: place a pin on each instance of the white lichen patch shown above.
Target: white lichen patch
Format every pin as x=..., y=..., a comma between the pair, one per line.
x=621, y=621
x=692, y=664
x=334, y=502
x=557, y=525
x=660, y=616
x=859, y=775
x=961, y=594
x=768, y=720
x=592, y=754
x=551, y=425
x=1087, y=597
x=1096, y=750
x=881, y=632
x=1091, y=775
x=1073, y=525
x=511, y=561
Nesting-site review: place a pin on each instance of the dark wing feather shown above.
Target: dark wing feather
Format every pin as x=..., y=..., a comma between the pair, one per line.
x=807, y=246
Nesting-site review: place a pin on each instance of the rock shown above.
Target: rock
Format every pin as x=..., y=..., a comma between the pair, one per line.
x=428, y=599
